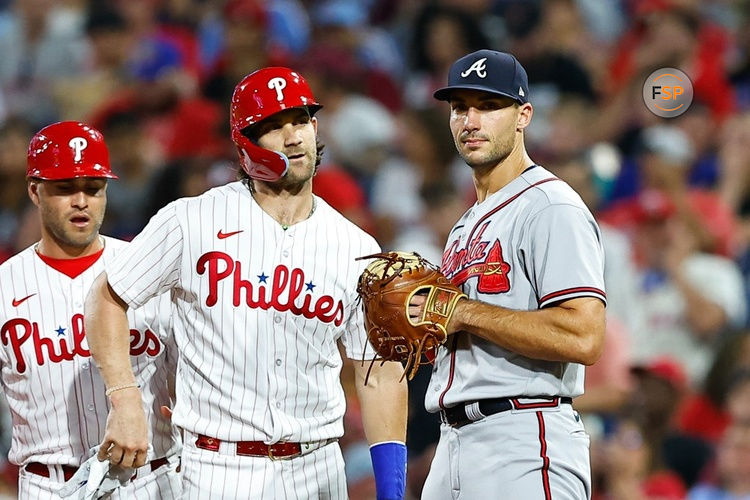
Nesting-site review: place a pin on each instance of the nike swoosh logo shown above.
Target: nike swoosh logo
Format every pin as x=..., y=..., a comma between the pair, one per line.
x=221, y=235
x=18, y=302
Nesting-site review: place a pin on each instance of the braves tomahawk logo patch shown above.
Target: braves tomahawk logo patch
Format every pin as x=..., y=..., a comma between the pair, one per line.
x=479, y=66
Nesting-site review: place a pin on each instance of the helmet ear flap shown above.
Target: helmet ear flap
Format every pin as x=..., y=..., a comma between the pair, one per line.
x=259, y=163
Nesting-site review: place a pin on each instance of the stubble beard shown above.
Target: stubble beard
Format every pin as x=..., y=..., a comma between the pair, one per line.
x=501, y=149
x=56, y=227
x=296, y=177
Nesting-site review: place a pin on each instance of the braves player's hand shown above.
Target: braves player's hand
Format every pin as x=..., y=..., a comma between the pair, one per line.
x=166, y=412
x=126, y=438
x=417, y=304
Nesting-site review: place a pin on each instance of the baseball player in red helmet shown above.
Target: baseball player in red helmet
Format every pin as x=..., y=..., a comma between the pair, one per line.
x=55, y=394
x=529, y=257
x=263, y=276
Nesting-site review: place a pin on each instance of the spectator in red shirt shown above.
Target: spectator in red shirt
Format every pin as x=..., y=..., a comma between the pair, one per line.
x=705, y=414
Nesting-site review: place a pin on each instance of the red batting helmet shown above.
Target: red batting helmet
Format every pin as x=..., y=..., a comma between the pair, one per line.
x=259, y=95
x=66, y=150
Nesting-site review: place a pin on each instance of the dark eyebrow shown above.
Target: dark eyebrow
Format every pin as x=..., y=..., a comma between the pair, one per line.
x=276, y=121
x=481, y=98
x=498, y=100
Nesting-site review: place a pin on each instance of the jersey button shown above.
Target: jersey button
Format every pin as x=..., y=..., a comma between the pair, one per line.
x=91, y=407
x=278, y=404
x=285, y=253
x=277, y=319
x=278, y=362
x=85, y=366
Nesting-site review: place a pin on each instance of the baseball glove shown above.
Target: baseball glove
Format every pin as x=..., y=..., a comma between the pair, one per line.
x=386, y=287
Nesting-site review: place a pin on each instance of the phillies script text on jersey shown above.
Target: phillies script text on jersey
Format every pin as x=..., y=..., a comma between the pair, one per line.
x=220, y=266
x=17, y=331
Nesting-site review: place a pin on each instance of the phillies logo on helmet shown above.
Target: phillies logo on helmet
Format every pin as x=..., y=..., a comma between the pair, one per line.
x=278, y=84
x=78, y=144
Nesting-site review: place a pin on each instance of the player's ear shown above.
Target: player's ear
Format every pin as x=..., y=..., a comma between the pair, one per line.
x=525, y=112
x=33, y=189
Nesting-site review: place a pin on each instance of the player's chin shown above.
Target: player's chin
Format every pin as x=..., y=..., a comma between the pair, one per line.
x=476, y=161
x=82, y=236
x=472, y=155
x=298, y=176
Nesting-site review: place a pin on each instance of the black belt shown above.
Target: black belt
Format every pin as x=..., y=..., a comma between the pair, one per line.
x=466, y=413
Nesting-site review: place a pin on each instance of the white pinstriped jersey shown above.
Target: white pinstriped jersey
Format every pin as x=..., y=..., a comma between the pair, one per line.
x=259, y=311
x=529, y=245
x=54, y=390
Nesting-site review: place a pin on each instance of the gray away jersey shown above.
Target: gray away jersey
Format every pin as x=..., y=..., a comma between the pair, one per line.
x=529, y=245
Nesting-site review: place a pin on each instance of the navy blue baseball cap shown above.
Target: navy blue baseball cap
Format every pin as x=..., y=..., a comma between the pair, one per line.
x=490, y=71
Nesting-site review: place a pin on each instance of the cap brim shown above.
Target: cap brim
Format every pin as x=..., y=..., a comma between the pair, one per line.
x=314, y=108
x=444, y=93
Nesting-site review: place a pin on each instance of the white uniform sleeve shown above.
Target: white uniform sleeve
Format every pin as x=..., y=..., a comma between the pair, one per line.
x=150, y=264
x=355, y=335
x=566, y=257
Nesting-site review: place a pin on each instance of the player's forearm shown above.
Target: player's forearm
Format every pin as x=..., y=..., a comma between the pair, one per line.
x=572, y=331
x=384, y=401
x=108, y=334
x=384, y=410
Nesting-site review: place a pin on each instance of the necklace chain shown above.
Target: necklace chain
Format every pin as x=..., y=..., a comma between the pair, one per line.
x=251, y=187
x=312, y=211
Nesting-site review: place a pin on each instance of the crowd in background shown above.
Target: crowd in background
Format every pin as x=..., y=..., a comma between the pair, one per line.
x=668, y=404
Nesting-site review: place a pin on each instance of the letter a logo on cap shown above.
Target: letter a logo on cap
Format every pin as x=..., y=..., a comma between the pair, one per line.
x=78, y=144
x=279, y=84
x=478, y=66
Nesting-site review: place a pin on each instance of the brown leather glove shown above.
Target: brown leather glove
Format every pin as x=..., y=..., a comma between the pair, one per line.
x=386, y=287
